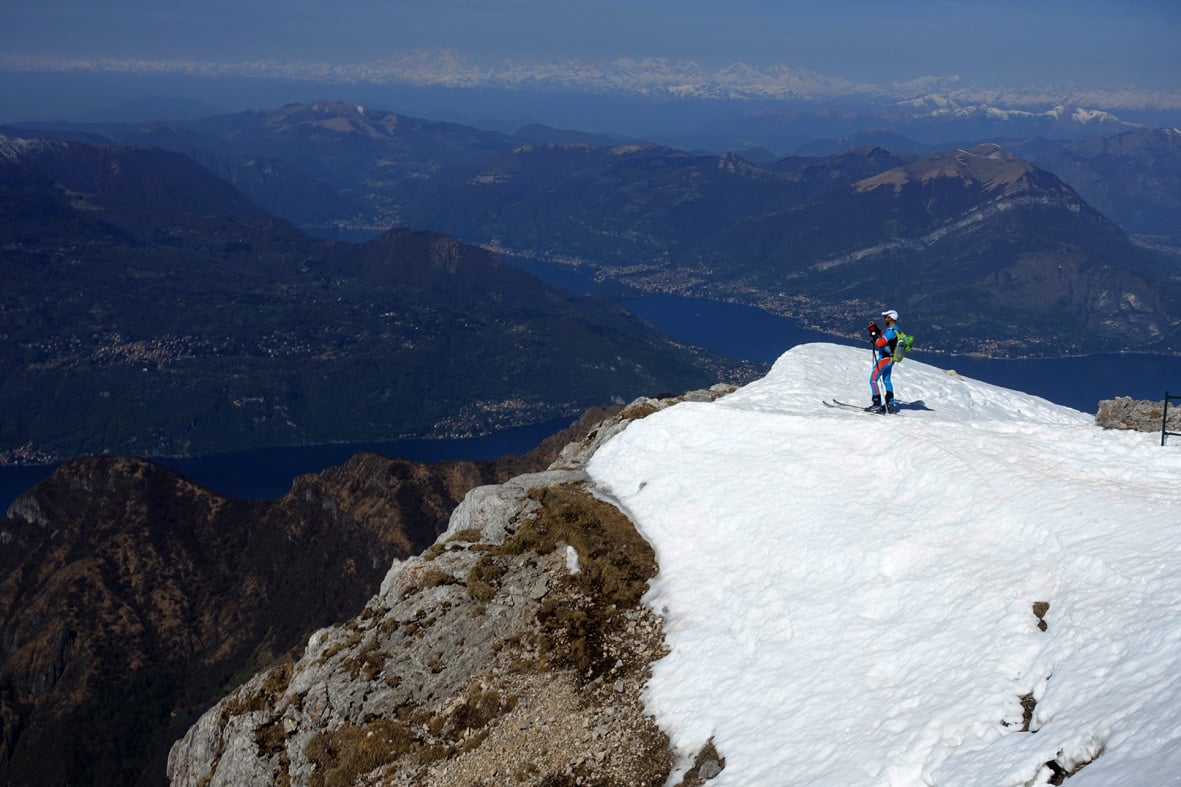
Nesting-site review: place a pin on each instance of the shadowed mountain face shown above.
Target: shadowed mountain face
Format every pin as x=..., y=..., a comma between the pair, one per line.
x=984, y=251
x=327, y=166
x=152, y=309
x=131, y=599
x=1133, y=178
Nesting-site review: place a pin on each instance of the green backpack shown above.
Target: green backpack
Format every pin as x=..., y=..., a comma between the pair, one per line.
x=902, y=346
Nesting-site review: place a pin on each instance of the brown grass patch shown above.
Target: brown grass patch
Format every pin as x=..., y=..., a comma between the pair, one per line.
x=615, y=565
x=341, y=757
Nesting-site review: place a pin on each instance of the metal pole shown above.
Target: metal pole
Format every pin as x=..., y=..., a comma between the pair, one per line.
x=1164, y=419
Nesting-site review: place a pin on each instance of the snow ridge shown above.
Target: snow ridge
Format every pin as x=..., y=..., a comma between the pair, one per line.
x=860, y=600
x=15, y=149
x=640, y=76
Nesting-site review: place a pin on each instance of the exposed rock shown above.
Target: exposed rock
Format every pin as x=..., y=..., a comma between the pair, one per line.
x=132, y=599
x=1138, y=415
x=485, y=660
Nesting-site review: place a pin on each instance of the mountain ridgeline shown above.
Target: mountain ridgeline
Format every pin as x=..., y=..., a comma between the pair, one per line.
x=132, y=598
x=1134, y=178
x=151, y=308
x=985, y=251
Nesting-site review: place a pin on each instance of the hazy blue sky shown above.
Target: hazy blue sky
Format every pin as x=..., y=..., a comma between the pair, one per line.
x=999, y=43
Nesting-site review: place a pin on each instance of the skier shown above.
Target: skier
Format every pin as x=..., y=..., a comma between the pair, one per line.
x=884, y=342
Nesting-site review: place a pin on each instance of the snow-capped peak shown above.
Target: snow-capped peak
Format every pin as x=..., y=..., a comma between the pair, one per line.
x=17, y=148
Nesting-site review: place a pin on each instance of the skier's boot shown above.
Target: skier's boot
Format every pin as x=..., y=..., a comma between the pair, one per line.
x=876, y=407
x=889, y=408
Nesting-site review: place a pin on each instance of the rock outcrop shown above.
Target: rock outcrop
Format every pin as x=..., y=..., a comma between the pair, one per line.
x=1137, y=415
x=132, y=599
x=512, y=651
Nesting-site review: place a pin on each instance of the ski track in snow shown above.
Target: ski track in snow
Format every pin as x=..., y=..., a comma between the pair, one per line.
x=849, y=599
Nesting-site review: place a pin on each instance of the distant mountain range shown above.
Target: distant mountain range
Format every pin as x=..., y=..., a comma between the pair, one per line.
x=1133, y=178
x=966, y=234
x=151, y=308
x=678, y=103
x=326, y=166
x=342, y=168
x=985, y=251
x=650, y=77
x=933, y=121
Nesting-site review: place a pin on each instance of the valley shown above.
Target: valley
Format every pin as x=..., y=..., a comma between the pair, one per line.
x=155, y=311
x=953, y=236
x=226, y=328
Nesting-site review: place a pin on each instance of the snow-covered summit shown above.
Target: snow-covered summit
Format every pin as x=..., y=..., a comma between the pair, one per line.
x=14, y=149
x=860, y=600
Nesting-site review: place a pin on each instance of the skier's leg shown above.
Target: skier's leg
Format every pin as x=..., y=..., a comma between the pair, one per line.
x=880, y=374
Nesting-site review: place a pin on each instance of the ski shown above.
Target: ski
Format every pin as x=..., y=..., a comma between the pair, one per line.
x=847, y=406
x=838, y=403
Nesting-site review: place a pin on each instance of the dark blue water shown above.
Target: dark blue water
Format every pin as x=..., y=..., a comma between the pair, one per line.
x=267, y=473
x=753, y=334
x=727, y=329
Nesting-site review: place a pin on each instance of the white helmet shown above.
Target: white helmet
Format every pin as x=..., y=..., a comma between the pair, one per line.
x=893, y=315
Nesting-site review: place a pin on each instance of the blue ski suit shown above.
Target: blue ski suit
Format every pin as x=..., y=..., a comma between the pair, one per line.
x=883, y=350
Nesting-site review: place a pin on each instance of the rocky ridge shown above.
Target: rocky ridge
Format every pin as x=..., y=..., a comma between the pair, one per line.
x=513, y=650
x=132, y=599
x=1138, y=415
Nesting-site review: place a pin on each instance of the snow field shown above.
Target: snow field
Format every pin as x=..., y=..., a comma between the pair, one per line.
x=849, y=598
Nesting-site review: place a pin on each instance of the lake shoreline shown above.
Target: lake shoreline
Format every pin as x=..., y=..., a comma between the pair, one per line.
x=267, y=473
x=727, y=329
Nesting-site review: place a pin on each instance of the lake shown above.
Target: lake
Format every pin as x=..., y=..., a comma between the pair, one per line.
x=750, y=333
x=753, y=334
x=266, y=473
x=727, y=329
